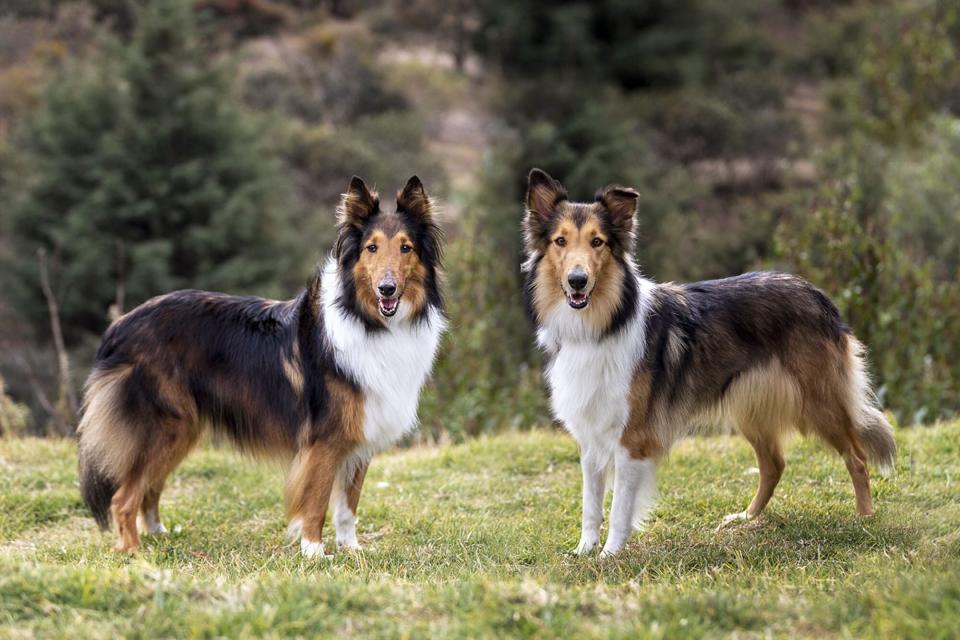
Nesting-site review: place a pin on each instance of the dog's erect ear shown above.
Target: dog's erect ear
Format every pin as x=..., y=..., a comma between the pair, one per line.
x=621, y=202
x=543, y=194
x=357, y=204
x=413, y=199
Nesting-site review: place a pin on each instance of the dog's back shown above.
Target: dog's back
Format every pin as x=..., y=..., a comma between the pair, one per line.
x=771, y=352
x=179, y=363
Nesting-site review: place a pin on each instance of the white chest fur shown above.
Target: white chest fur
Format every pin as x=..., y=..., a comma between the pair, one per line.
x=391, y=366
x=590, y=378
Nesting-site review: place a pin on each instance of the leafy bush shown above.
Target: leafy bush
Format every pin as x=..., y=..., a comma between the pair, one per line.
x=924, y=191
x=896, y=303
x=487, y=377
x=13, y=416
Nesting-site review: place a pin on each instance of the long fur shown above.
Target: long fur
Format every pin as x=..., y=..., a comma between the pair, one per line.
x=642, y=364
x=321, y=379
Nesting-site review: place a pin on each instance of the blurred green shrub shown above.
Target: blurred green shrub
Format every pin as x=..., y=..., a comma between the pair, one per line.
x=924, y=190
x=907, y=70
x=896, y=299
x=487, y=377
x=14, y=417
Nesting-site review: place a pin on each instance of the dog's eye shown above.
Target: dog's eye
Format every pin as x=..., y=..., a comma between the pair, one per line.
x=405, y=248
x=596, y=242
x=561, y=241
x=372, y=248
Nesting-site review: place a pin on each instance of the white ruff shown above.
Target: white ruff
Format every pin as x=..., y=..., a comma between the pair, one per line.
x=590, y=378
x=390, y=366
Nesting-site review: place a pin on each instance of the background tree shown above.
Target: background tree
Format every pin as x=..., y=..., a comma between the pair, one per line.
x=141, y=173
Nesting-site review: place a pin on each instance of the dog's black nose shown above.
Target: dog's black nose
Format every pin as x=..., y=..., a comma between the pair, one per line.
x=577, y=279
x=387, y=289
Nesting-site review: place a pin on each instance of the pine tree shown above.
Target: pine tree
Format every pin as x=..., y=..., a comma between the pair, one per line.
x=141, y=172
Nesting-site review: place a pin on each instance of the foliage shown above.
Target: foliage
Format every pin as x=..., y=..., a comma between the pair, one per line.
x=470, y=540
x=486, y=378
x=882, y=238
x=13, y=416
x=334, y=79
x=141, y=168
x=894, y=298
x=907, y=70
x=924, y=199
x=142, y=174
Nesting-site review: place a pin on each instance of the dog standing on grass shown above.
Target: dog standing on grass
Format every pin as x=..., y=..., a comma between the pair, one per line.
x=328, y=378
x=634, y=365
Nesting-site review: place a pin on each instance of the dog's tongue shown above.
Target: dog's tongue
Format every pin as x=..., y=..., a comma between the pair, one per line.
x=389, y=304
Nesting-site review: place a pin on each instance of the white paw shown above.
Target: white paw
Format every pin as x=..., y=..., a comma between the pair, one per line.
x=610, y=550
x=310, y=549
x=734, y=518
x=150, y=526
x=349, y=545
x=587, y=544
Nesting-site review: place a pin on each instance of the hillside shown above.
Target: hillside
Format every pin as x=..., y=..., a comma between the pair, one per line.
x=470, y=541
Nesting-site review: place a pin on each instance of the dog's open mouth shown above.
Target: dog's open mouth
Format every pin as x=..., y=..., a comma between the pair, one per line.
x=388, y=306
x=578, y=300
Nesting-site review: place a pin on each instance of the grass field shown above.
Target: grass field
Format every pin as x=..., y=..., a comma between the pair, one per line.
x=472, y=540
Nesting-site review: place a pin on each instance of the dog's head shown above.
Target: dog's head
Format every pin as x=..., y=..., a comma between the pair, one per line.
x=388, y=259
x=578, y=250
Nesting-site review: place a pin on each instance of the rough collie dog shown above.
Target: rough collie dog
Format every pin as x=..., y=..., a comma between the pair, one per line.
x=634, y=365
x=327, y=378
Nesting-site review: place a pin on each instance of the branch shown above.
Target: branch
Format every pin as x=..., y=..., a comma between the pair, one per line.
x=67, y=401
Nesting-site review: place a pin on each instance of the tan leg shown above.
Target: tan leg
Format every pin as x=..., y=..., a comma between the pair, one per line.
x=308, y=494
x=861, y=480
x=845, y=442
x=125, y=505
x=771, y=464
x=168, y=451
x=770, y=461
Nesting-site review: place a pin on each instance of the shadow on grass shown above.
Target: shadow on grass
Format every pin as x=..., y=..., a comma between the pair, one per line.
x=774, y=542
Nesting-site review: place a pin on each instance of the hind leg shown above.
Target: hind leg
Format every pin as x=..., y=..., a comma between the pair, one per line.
x=857, y=467
x=770, y=461
x=833, y=423
x=125, y=505
x=172, y=442
x=166, y=455
x=149, y=520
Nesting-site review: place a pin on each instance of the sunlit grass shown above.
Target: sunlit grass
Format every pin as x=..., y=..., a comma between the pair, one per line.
x=472, y=541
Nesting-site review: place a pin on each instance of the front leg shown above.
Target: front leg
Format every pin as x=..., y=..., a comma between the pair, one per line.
x=593, y=472
x=634, y=494
x=348, y=487
x=308, y=494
